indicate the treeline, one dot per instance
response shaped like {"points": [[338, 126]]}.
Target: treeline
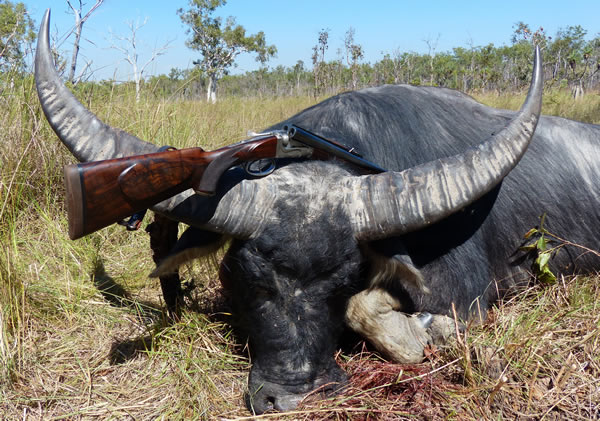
{"points": [[570, 62]]}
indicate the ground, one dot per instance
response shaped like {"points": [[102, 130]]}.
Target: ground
{"points": [[82, 328]]}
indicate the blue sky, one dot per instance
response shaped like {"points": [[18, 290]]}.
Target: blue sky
{"points": [[380, 27]]}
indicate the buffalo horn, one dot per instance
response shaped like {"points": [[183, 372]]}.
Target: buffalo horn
{"points": [[88, 138], [395, 203]]}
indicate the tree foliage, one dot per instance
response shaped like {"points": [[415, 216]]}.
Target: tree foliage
{"points": [[16, 33], [486, 68], [571, 62], [354, 53], [318, 60], [220, 42]]}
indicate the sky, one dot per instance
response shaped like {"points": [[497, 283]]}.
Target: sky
{"points": [[381, 27]]}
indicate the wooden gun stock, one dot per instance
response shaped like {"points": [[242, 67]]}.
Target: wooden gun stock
{"points": [[100, 193]]}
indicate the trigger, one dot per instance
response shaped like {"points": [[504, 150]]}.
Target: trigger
{"points": [[260, 167]]}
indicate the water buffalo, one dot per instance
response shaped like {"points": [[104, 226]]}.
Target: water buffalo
{"points": [[317, 246]]}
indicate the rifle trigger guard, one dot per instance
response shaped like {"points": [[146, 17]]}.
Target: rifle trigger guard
{"points": [[260, 167]]}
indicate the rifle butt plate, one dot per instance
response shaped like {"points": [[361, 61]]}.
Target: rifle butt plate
{"points": [[74, 201]]}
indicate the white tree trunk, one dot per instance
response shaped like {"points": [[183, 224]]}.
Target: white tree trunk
{"points": [[578, 91], [211, 91], [136, 77], [79, 21], [130, 50], [78, 27]]}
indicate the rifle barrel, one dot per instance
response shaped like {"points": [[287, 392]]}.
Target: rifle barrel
{"points": [[332, 148]]}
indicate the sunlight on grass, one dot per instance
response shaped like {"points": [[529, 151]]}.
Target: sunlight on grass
{"points": [[557, 103]]}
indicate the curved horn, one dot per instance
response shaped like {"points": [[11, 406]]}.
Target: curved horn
{"points": [[88, 138], [241, 207], [395, 203]]}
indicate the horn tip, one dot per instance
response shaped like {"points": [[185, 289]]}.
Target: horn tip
{"points": [[46, 18]]}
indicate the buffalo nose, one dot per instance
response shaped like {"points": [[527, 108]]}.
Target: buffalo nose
{"points": [[264, 395], [268, 398]]}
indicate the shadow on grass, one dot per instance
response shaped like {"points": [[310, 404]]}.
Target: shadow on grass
{"points": [[126, 350], [149, 314], [117, 296], [209, 301], [112, 292]]}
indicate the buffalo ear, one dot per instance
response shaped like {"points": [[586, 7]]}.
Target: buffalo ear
{"points": [[399, 268], [194, 243]]}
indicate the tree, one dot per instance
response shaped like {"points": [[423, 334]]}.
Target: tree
{"points": [[220, 42], [298, 71], [79, 21], [318, 60], [16, 29], [354, 53], [129, 47], [432, 46], [571, 53]]}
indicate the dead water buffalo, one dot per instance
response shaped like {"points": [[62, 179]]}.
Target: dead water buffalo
{"points": [[317, 246]]}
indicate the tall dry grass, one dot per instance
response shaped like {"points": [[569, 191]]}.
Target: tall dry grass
{"points": [[556, 102], [82, 332], [82, 335]]}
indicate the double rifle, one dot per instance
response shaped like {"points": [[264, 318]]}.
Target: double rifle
{"points": [[100, 193]]}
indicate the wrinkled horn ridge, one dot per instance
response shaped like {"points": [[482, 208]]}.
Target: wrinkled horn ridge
{"points": [[88, 138], [395, 203], [241, 210]]}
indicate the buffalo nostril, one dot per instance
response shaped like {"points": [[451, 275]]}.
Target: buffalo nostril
{"points": [[258, 405], [264, 399], [269, 404]]}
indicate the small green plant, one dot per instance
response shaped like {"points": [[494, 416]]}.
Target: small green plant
{"points": [[539, 247]]}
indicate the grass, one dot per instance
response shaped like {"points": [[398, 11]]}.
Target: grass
{"points": [[556, 102], [82, 334]]}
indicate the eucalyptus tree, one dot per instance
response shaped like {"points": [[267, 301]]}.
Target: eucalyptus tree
{"points": [[318, 60], [220, 41], [354, 53], [16, 32]]}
